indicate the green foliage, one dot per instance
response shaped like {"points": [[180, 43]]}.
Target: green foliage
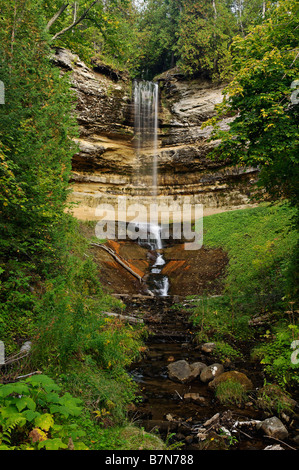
{"points": [[157, 27], [108, 30], [37, 126], [69, 315], [226, 352], [105, 394], [36, 170], [274, 399], [35, 415], [217, 318], [260, 243], [204, 36], [275, 354], [230, 392], [264, 132]]}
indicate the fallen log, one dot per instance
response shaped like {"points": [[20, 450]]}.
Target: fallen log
{"points": [[122, 262], [124, 317], [134, 296]]}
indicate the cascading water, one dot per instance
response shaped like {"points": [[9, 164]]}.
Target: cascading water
{"points": [[150, 236], [146, 101]]}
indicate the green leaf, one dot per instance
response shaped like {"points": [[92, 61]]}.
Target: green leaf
{"points": [[52, 444], [44, 422], [25, 402], [30, 415], [52, 397], [43, 380], [80, 446], [18, 388], [4, 447]]}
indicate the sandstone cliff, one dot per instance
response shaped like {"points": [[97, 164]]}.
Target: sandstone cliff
{"points": [[106, 164]]}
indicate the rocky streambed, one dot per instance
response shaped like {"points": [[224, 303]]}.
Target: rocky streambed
{"points": [[177, 377], [177, 380]]}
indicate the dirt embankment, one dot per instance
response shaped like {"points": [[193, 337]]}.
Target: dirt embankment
{"points": [[189, 272]]}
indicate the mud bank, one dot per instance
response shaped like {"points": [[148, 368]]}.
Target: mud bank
{"points": [[189, 272]]}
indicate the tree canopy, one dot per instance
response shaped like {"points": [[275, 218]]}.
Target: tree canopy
{"points": [[261, 96]]}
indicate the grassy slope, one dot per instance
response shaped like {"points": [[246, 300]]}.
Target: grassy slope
{"points": [[260, 243]]}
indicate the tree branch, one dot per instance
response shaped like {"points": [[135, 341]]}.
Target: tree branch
{"points": [[75, 22], [56, 16]]}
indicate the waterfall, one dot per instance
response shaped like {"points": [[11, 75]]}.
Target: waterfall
{"points": [[150, 236], [146, 101]]}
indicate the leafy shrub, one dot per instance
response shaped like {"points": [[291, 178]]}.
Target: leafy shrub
{"points": [[275, 354], [217, 319], [35, 415], [274, 400], [226, 351]]}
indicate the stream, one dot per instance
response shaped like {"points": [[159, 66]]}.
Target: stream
{"points": [[180, 412]]}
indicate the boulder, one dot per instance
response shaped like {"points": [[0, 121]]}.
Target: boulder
{"points": [[196, 369], [233, 376], [273, 427], [211, 372], [182, 371], [208, 347]]}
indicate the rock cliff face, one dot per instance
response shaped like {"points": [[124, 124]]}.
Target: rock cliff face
{"points": [[106, 165]]}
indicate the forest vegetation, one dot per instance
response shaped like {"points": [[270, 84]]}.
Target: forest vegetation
{"points": [[49, 289]]}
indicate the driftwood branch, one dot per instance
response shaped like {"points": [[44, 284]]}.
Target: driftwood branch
{"points": [[122, 262], [75, 22], [278, 440]]}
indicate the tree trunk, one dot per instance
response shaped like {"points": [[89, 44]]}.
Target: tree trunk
{"points": [[264, 10], [56, 16]]}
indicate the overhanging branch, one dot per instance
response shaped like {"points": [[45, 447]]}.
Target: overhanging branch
{"points": [[56, 16], [84, 14]]}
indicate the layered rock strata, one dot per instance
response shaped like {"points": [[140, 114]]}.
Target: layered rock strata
{"points": [[106, 165]]}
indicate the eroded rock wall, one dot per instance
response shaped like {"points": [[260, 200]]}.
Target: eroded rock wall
{"points": [[107, 166]]}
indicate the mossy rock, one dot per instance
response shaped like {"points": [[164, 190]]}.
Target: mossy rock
{"points": [[272, 398], [232, 376], [134, 438]]}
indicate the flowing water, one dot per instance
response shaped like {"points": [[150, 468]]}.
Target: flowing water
{"points": [[146, 106], [150, 236]]}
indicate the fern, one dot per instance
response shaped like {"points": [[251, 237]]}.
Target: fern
{"points": [[9, 427]]}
